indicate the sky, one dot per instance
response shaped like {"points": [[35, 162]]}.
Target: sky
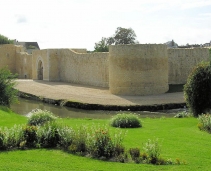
{"points": [[82, 23]]}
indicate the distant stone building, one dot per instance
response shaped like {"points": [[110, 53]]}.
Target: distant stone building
{"points": [[28, 46], [207, 44]]}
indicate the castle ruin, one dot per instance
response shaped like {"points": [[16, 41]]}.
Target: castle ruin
{"points": [[141, 69]]}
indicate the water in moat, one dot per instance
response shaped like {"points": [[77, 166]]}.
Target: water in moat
{"points": [[25, 106]]}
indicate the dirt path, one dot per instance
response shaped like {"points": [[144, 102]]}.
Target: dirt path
{"points": [[92, 95]]}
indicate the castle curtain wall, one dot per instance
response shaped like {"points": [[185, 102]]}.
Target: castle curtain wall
{"points": [[182, 61], [40, 56], [138, 69], [24, 65], [126, 69], [8, 57], [84, 68]]}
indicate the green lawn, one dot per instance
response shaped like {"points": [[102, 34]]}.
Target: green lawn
{"points": [[180, 138]]}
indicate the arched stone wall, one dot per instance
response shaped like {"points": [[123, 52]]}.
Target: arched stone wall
{"points": [[140, 69]]}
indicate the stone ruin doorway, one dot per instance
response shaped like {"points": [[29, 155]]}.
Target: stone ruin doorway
{"points": [[40, 70]]}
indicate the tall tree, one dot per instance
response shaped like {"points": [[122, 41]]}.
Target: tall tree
{"points": [[5, 40], [124, 36], [121, 36]]}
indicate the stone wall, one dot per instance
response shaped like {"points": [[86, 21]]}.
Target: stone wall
{"points": [[138, 69], [8, 57], [84, 68], [40, 56], [181, 62], [24, 65], [126, 69]]}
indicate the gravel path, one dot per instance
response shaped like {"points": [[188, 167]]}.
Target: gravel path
{"points": [[90, 94]]}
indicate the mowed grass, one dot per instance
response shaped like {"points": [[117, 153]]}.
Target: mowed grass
{"points": [[179, 138]]}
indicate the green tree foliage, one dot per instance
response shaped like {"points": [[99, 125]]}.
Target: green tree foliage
{"points": [[5, 40], [101, 46], [197, 90], [121, 36], [8, 94]]}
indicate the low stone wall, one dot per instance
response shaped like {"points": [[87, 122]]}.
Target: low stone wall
{"points": [[182, 61]]}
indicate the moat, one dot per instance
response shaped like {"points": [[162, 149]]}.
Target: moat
{"points": [[25, 106]]}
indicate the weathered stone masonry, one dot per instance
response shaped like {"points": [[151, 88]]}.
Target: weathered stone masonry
{"points": [[142, 69]]}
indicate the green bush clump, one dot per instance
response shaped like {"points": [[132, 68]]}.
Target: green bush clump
{"points": [[135, 154], [125, 121], [79, 142], [48, 135], [205, 122], [101, 144], [30, 135], [183, 114], [5, 40], [40, 117], [197, 90], [8, 94], [152, 149], [11, 137]]}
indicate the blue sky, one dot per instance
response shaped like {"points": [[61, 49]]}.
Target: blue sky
{"points": [[82, 23]]}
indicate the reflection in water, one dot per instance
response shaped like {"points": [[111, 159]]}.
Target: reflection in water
{"points": [[25, 106]]}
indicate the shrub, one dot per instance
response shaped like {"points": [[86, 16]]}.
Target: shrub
{"points": [[135, 154], [102, 144], [79, 140], [8, 94], [205, 122], [66, 135], [30, 135], [48, 135], [125, 121], [152, 149], [197, 90], [40, 117], [183, 114], [2, 138], [11, 137]]}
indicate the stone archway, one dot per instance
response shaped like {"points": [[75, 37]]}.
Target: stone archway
{"points": [[40, 70]]}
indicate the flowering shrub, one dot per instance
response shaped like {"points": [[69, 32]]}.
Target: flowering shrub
{"points": [[125, 121], [102, 144], [40, 117]]}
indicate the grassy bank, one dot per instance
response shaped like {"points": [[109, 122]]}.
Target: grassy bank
{"points": [[179, 138]]}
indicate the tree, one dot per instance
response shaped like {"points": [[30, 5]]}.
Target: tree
{"points": [[5, 40], [197, 90], [124, 36], [101, 46], [121, 36], [8, 94]]}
